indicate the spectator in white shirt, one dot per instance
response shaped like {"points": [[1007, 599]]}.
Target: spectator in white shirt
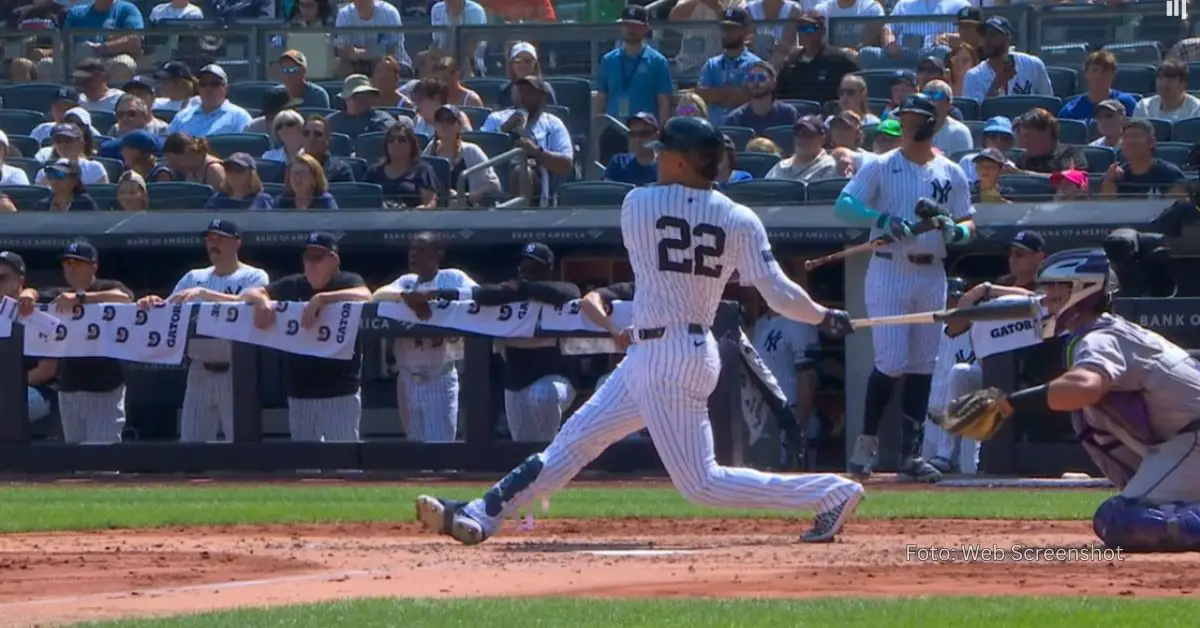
{"points": [[914, 40], [178, 87], [175, 10], [1172, 101], [357, 53], [951, 136], [543, 136], [855, 34], [809, 161], [449, 13], [10, 175], [1004, 73], [91, 79], [1110, 121]]}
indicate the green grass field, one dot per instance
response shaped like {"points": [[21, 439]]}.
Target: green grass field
{"points": [[74, 507]]}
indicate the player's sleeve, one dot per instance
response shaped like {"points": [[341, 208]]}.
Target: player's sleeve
{"points": [[104, 285], [757, 266], [550, 292], [616, 292], [961, 207], [754, 257], [863, 184], [463, 279], [344, 280], [806, 345], [973, 86], [188, 280], [1099, 351], [257, 279], [282, 289]]}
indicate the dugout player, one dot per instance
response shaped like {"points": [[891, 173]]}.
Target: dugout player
{"points": [[324, 395], [91, 391], [955, 374], [39, 372], [208, 401], [538, 378], [906, 276], [427, 375]]}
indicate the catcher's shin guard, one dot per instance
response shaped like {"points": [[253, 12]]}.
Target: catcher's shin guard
{"points": [[1126, 523]]}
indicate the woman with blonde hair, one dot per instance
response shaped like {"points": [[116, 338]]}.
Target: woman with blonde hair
{"points": [[522, 62], [762, 145], [448, 142], [852, 96], [288, 130], [305, 186], [962, 57], [132, 195], [691, 105], [189, 159], [243, 189]]}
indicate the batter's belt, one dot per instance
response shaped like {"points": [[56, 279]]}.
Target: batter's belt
{"points": [[216, 367], [924, 259], [655, 333]]}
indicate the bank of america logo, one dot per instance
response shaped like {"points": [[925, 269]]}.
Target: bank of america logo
{"points": [[1177, 8]]}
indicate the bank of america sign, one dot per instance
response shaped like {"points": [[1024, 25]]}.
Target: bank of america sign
{"points": [[1177, 8]]}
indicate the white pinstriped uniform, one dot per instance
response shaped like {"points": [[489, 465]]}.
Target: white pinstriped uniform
{"points": [[893, 185], [208, 401], [331, 419], [92, 417], [683, 245], [955, 362], [427, 377], [785, 345], [534, 413]]}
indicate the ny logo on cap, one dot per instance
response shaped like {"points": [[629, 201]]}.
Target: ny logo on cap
{"points": [[314, 238], [730, 13], [530, 249], [1020, 237], [215, 224], [73, 248]]}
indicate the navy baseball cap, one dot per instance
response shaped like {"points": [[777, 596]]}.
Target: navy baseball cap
{"points": [[240, 160], [82, 251], [904, 76], [137, 82], [735, 16], [970, 14], [992, 154], [65, 129], [322, 240], [1030, 241], [643, 116], [634, 14], [14, 261], [998, 23], [67, 94], [538, 252], [226, 228], [175, 70]]}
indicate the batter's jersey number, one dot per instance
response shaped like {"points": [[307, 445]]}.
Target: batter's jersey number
{"points": [[700, 262]]}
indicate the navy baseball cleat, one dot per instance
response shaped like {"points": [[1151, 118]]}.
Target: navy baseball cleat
{"points": [[917, 469], [446, 516], [826, 525]]}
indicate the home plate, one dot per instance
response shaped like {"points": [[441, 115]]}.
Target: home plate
{"points": [[638, 552]]}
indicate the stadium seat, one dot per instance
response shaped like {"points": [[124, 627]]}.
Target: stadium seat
{"points": [[806, 107], [1072, 132], [592, 194], [441, 167], [179, 195], [869, 134], [30, 165], [1064, 55], [19, 121], [1028, 188], [166, 115], [784, 137], [1163, 129], [396, 112], [340, 145], [877, 105], [103, 120], [423, 140], [22, 145], [976, 127], [112, 167], [1014, 154], [226, 144], [576, 95], [766, 192], [25, 197], [488, 87], [105, 195], [969, 108], [757, 164], [1136, 52], [879, 82], [269, 170], [1013, 106], [1138, 79], [100, 140], [493, 144], [249, 93], [357, 195], [333, 88], [477, 115], [1064, 80], [741, 135], [1098, 157], [1187, 130], [1177, 153], [315, 111], [274, 188], [825, 191], [358, 167], [29, 96], [958, 157]]}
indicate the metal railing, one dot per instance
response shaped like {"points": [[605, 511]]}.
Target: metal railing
{"points": [[600, 124], [514, 155]]}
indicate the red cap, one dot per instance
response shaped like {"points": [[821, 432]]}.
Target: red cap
{"points": [[1078, 177]]}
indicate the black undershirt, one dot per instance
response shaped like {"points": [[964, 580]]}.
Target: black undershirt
{"points": [[88, 374], [308, 377]]}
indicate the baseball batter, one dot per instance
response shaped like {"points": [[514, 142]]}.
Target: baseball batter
{"points": [[684, 240], [427, 375], [954, 375], [208, 400], [1135, 403], [906, 276]]}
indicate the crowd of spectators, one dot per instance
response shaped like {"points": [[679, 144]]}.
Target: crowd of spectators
{"points": [[404, 130]]}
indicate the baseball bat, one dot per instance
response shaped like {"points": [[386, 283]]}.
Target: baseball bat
{"points": [[925, 226], [1008, 309]]}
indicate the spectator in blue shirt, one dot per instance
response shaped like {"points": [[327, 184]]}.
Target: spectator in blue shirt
{"points": [[639, 166], [723, 78], [214, 115], [1139, 173], [634, 78], [1099, 71], [116, 15], [763, 111], [242, 188]]}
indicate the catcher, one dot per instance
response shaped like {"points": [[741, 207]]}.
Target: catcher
{"points": [[1134, 399]]}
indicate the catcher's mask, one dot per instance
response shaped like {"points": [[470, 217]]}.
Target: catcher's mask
{"points": [[1092, 285]]}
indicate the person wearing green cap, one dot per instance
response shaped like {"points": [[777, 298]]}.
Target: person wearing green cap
{"points": [[887, 137]]}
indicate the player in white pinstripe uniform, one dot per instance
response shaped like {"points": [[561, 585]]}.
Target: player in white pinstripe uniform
{"points": [[684, 240], [427, 378], [208, 401], [906, 276], [955, 369]]}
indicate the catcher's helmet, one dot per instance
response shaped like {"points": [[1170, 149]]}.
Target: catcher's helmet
{"points": [[920, 104], [1093, 285], [955, 287], [696, 137]]}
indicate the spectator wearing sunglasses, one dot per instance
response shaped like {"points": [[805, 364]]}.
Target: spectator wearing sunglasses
{"points": [[288, 135], [361, 115], [638, 166], [70, 142], [293, 73], [68, 193], [813, 71], [134, 115], [316, 145], [215, 114], [407, 181], [951, 136], [763, 111], [242, 188]]}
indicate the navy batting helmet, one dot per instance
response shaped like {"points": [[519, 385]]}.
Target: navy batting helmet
{"points": [[922, 105], [955, 287], [696, 137]]}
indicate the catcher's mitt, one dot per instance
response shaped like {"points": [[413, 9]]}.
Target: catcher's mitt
{"points": [[975, 415]]}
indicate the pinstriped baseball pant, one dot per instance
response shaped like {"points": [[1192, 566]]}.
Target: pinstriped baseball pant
{"points": [[332, 419], [535, 412], [92, 417], [430, 396], [207, 403], [664, 384]]}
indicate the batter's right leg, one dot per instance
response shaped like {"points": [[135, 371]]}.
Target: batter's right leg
{"points": [[606, 418]]}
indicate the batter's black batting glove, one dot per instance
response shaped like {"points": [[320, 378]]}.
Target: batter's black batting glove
{"points": [[836, 323], [926, 208], [896, 228]]}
